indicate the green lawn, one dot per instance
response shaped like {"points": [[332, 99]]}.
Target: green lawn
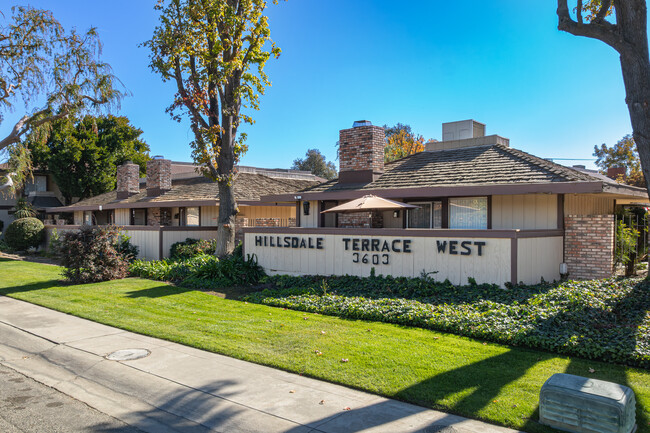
{"points": [[468, 377]]}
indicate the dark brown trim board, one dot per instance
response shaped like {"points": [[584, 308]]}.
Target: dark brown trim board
{"points": [[489, 212], [160, 203], [560, 211], [144, 228], [298, 211], [513, 260], [504, 234], [160, 244]]}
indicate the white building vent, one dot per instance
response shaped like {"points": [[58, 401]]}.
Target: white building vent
{"points": [[462, 130], [583, 405]]}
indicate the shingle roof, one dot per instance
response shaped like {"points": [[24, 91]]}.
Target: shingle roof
{"points": [[248, 187], [470, 166]]}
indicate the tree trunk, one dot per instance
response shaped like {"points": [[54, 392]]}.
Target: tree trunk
{"points": [[636, 75], [225, 169], [226, 223]]}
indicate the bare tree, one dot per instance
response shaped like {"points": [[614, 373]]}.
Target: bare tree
{"points": [[627, 34]]}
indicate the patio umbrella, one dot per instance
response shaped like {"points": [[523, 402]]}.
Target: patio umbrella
{"points": [[368, 203]]}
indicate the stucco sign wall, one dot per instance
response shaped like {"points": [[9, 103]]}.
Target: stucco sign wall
{"points": [[455, 258]]}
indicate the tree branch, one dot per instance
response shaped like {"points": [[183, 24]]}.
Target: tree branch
{"points": [[602, 30], [602, 12], [579, 11], [183, 92], [27, 122]]}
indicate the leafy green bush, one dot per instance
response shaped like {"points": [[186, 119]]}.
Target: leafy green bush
{"points": [[202, 271], [23, 209], [89, 255], [191, 248], [25, 233], [125, 248], [604, 319]]}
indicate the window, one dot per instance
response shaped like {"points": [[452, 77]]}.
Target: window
{"points": [[192, 216], [427, 215], [189, 216], [38, 184], [468, 213], [138, 217]]}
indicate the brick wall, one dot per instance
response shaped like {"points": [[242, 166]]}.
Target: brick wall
{"points": [[159, 176], [362, 148], [240, 223], [589, 246], [267, 222], [128, 180]]}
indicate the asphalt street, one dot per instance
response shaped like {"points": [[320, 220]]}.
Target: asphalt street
{"points": [[29, 406]]}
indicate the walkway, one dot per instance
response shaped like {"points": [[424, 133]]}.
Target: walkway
{"points": [[180, 389]]}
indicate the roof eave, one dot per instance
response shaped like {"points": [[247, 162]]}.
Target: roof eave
{"points": [[446, 191], [625, 190]]}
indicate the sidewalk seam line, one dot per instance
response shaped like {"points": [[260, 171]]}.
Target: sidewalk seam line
{"points": [[155, 375]]}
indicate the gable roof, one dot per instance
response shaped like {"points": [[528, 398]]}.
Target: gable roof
{"points": [[489, 169], [194, 191]]}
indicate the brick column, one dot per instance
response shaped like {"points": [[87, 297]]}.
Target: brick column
{"points": [[240, 223], [589, 246], [355, 220], [128, 180]]}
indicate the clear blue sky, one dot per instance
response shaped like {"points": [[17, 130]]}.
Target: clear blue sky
{"points": [[419, 62]]}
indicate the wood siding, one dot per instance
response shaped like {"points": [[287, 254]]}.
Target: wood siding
{"points": [[146, 241], [524, 211], [209, 216], [122, 217], [587, 204], [312, 219], [170, 237], [254, 212], [78, 217], [539, 258]]}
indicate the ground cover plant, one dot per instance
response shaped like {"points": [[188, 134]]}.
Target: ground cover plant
{"points": [[479, 379], [201, 270], [607, 320]]}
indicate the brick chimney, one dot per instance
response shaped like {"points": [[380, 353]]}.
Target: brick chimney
{"points": [[361, 152], [615, 172], [128, 180], [159, 176]]}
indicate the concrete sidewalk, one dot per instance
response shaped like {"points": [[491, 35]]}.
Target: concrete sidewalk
{"points": [[180, 389]]}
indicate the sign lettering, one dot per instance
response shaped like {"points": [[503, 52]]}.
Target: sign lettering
{"points": [[466, 248], [289, 242]]}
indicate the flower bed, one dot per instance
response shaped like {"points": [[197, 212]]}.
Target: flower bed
{"points": [[607, 320]]}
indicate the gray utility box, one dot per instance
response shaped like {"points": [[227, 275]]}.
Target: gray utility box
{"points": [[580, 404]]}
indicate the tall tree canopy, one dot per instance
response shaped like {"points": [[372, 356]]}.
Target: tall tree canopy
{"points": [[627, 34], [50, 73], [401, 142], [83, 155], [315, 162], [622, 154], [215, 52]]}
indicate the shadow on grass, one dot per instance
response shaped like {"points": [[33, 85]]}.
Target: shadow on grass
{"points": [[33, 286], [158, 291]]}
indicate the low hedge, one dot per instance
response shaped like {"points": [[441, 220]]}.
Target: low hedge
{"points": [[202, 271], [191, 248], [605, 319]]}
